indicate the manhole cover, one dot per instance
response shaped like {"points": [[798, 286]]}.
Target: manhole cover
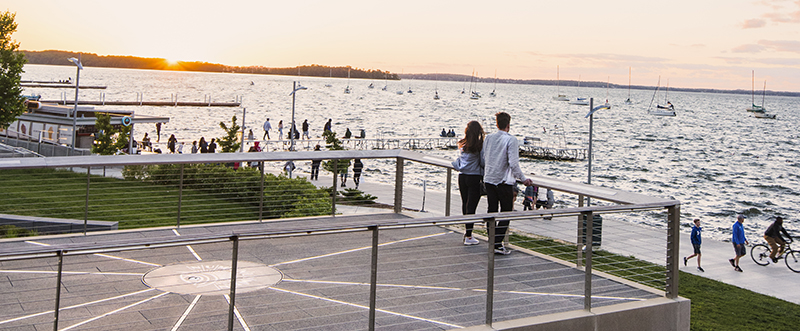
{"points": [[211, 277]]}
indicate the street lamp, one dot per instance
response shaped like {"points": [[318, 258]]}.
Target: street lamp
{"points": [[590, 115], [75, 110], [295, 87]]}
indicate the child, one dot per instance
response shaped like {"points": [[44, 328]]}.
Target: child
{"points": [[530, 197], [696, 241]]}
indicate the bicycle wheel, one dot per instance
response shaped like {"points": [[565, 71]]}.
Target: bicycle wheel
{"points": [[792, 260], [760, 254]]}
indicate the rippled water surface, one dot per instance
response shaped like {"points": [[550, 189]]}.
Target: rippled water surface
{"points": [[714, 157]]}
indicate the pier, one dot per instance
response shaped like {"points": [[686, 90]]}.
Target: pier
{"points": [[61, 85], [549, 153], [146, 103]]}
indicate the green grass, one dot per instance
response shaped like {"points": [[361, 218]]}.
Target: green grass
{"points": [[715, 305]]}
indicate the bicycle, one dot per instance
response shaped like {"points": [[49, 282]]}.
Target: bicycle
{"points": [[760, 254]]}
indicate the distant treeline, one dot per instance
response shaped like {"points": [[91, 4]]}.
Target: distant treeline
{"points": [[466, 78], [113, 61]]}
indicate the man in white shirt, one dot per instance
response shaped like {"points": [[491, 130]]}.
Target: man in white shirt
{"points": [[267, 127], [502, 171]]}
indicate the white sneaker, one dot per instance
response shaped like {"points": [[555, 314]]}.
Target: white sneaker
{"points": [[502, 251], [470, 241]]}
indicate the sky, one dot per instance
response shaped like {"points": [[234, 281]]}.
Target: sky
{"points": [[693, 43]]}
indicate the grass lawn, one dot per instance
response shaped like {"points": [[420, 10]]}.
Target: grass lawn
{"points": [[715, 305]]}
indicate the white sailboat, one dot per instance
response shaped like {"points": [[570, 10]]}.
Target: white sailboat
{"points": [[559, 96], [660, 110], [628, 100], [436, 88], [347, 88], [493, 93], [330, 75], [474, 95], [763, 114], [578, 100], [754, 108]]}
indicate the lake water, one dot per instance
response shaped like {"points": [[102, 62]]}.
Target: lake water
{"points": [[714, 157]]}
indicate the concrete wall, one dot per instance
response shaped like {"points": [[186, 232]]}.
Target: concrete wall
{"points": [[49, 225], [660, 314]]}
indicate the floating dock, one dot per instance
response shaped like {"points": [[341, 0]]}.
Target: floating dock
{"points": [[549, 153], [61, 85]]}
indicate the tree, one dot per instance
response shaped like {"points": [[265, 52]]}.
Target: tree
{"points": [[12, 104], [334, 144], [109, 139], [229, 143]]}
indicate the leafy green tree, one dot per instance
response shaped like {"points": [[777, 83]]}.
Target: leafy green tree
{"points": [[334, 144], [12, 104], [230, 143], [109, 139]]}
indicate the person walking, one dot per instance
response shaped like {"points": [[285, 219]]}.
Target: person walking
{"points": [[696, 242], [194, 147], [250, 135], [305, 130], [531, 193], [501, 154], [315, 165], [267, 127], [739, 242], [327, 126], [774, 239], [171, 143], [470, 166], [158, 132], [212, 147], [280, 130], [357, 168], [203, 145]]}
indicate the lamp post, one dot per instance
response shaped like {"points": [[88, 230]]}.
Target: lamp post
{"points": [[295, 87], [590, 115], [75, 109]]}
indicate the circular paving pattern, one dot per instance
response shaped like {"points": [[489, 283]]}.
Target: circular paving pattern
{"points": [[211, 277]]}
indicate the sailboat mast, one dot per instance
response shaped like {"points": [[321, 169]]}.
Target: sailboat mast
{"points": [[764, 95], [753, 88], [666, 94], [558, 81], [654, 93], [629, 83]]}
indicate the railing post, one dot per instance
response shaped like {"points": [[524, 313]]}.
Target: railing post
{"points": [[398, 186], [580, 200], [490, 226], [447, 192], [234, 260], [373, 280], [60, 254], [261, 195], [587, 281], [86, 204], [180, 198], [673, 252], [333, 188], [581, 233]]}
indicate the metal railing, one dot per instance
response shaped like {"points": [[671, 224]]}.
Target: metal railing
{"points": [[540, 235]]}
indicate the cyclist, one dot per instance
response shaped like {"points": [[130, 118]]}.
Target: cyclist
{"points": [[774, 239]]}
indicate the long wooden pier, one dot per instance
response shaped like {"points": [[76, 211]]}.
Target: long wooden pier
{"points": [[61, 85], [146, 103]]}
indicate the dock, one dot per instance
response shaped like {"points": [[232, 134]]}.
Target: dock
{"points": [[549, 153], [145, 103], [61, 85]]}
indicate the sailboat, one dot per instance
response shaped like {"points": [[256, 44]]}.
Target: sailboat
{"points": [[628, 100], [763, 114], [330, 75], [474, 95], [493, 94], [580, 101], [754, 108], [660, 110], [436, 88], [559, 96], [386, 83], [347, 89]]}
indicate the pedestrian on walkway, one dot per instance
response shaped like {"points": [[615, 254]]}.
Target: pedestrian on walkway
{"points": [[470, 164], [357, 168], [531, 193], [280, 130], [203, 145], [194, 147], [696, 242], [315, 165], [774, 239], [305, 130], [501, 154], [739, 242], [212, 147], [327, 126], [171, 143], [267, 127]]}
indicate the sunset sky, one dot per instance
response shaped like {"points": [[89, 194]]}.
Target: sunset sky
{"points": [[693, 43]]}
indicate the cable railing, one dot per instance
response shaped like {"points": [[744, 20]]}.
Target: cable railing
{"points": [[324, 269]]}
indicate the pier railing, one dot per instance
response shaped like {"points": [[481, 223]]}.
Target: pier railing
{"points": [[418, 281]]}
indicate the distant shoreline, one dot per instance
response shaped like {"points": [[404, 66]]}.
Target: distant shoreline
{"points": [[52, 57]]}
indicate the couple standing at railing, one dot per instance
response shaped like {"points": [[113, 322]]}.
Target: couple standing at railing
{"points": [[490, 162]]}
